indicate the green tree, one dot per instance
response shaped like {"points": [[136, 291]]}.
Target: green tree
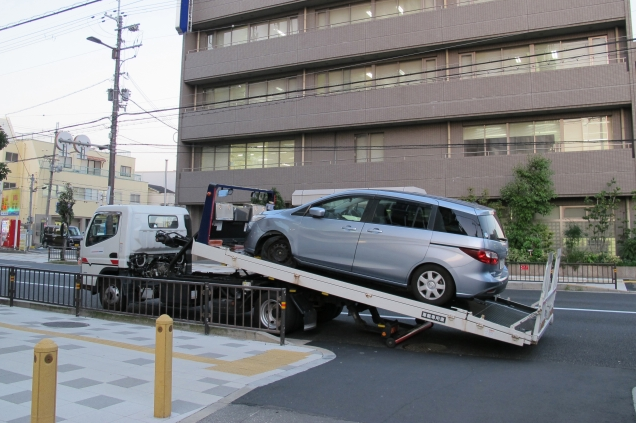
{"points": [[601, 215], [527, 195], [472, 197], [64, 208], [261, 198], [4, 169]]}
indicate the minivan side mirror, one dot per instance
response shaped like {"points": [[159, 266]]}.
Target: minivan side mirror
{"points": [[317, 212]]}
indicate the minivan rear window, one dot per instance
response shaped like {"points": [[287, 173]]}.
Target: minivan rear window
{"points": [[491, 227], [456, 222]]}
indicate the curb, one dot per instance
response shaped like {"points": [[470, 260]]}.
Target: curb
{"points": [[235, 333]]}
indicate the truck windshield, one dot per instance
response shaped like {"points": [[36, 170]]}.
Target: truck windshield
{"points": [[104, 226]]}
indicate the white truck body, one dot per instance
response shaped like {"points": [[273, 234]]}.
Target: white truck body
{"points": [[132, 231]]}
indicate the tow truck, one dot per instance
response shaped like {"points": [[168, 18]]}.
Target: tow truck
{"points": [[313, 298]]}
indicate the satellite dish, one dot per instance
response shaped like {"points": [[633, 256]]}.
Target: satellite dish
{"points": [[62, 138], [81, 143]]}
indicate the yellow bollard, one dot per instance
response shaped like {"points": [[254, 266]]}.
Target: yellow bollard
{"points": [[44, 382], [163, 367]]}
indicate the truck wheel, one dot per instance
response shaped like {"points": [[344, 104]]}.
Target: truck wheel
{"points": [[112, 295], [269, 315], [328, 312], [277, 250], [433, 285]]}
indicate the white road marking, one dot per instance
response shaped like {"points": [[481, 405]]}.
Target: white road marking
{"points": [[634, 397]]}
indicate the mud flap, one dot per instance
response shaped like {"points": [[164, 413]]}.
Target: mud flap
{"points": [[306, 309]]}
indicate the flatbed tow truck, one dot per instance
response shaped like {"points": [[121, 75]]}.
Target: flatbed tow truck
{"points": [[311, 297], [498, 318]]}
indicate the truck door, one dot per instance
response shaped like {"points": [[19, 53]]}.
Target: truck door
{"points": [[102, 239]]}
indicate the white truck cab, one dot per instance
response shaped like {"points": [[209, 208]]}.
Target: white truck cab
{"points": [[119, 234]]}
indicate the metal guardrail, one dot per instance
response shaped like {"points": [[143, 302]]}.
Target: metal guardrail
{"points": [[210, 304], [55, 254], [568, 273]]}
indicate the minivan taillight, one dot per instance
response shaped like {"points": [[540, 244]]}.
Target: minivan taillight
{"points": [[484, 256]]}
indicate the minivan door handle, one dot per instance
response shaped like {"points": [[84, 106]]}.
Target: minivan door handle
{"points": [[349, 228], [375, 231]]}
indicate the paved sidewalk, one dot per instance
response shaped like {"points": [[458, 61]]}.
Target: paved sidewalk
{"points": [[106, 369]]}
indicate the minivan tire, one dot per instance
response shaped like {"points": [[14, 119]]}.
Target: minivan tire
{"points": [[277, 250], [432, 284]]}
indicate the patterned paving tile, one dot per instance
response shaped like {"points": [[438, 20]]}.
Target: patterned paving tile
{"points": [[70, 347], [140, 338], [27, 419], [17, 348], [125, 332], [234, 345], [184, 338], [81, 383], [212, 355], [180, 406], [214, 381], [68, 368], [18, 397], [139, 361], [99, 402], [188, 347], [128, 382], [220, 391]]}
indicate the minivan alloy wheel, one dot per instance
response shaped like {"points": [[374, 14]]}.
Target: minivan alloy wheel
{"points": [[432, 284]]}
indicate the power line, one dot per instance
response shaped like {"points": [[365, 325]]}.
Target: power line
{"points": [[48, 15], [59, 98]]}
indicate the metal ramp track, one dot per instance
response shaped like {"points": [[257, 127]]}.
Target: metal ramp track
{"points": [[499, 324]]}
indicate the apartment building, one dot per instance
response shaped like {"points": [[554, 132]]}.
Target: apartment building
{"points": [[88, 175], [444, 95]]}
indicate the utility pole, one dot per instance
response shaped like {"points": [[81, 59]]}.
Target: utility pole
{"points": [[113, 126], [48, 196], [29, 241]]}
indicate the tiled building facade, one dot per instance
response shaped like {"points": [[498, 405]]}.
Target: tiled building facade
{"points": [[438, 94]]}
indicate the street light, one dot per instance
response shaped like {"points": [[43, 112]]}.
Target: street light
{"points": [[98, 41]]}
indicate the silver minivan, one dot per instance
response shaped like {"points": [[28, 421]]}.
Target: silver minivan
{"points": [[437, 247]]}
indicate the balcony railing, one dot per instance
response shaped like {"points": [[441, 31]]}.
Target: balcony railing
{"points": [[90, 171]]}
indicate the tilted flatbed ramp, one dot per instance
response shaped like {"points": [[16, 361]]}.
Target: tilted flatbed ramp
{"points": [[498, 319]]}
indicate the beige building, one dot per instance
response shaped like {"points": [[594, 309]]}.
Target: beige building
{"points": [[87, 174]]}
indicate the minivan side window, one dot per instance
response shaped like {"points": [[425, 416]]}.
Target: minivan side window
{"points": [[104, 226], [347, 208], [456, 222], [402, 213]]}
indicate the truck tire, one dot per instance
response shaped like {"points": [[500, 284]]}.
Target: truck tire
{"points": [[328, 312], [277, 250], [432, 284], [112, 295], [269, 315]]}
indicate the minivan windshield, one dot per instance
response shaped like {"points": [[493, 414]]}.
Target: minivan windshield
{"points": [[491, 227], [73, 231]]}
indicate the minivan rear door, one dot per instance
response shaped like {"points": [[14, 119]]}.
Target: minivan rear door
{"points": [[394, 241]]}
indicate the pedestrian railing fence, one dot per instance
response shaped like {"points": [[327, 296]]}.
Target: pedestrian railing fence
{"points": [[573, 273], [71, 254], [211, 304]]}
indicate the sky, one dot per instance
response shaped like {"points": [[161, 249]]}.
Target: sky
{"points": [[50, 61]]}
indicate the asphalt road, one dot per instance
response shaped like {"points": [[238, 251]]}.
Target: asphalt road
{"points": [[582, 370]]}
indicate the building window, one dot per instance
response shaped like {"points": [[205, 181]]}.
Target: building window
{"points": [[564, 135], [67, 162], [253, 155], [538, 57], [125, 171], [274, 28], [9, 185], [10, 157], [380, 9], [135, 198], [382, 75], [94, 167], [250, 92], [369, 147]]}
